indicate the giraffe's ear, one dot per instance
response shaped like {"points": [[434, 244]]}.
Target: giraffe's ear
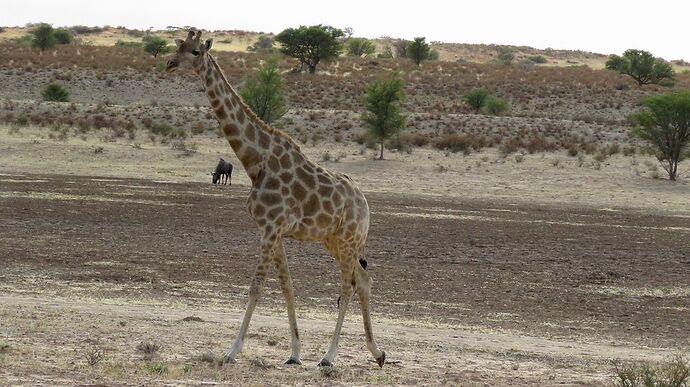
{"points": [[178, 42], [208, 44]]}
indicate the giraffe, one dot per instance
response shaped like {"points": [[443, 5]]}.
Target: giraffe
{"points": [[290, 197]]}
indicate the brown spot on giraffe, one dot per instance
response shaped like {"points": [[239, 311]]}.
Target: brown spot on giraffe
{"points": [[250, 132], [273, 164], [312, 205], [230, 129], [307, 179], [285, 162], [264, 140], [298, 191], [272, 183]]}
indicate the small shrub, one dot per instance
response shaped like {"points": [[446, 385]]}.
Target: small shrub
{"points": [[476, 98], [456, 143], [538, 59], [326, 156], [56, 93], [496, 106], [674, 373], [572, 151], [128, 44], [211, 358], [94, 355], [149, 348], [156, 368]]}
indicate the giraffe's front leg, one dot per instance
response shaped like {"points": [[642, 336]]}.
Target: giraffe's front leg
{"points": [[289, 294], [268, 248]]}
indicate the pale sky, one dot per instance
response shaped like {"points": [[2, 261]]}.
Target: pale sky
{"points": [[604, 26]]}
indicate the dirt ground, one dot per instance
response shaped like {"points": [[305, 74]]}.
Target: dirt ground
{"points": [[467, 291]]}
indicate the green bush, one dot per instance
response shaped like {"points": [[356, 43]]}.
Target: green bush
{"points": [[476, 98], [63, 36], [538, 59], [360, 47], [496, 106], [56, 93]]}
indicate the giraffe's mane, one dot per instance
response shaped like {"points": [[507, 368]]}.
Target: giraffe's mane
{"points": [[248, 111]]}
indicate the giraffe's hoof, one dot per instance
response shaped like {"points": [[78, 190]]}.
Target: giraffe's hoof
{"points": [[227, 359], [292, 360], [325, 363], [382, 359]]}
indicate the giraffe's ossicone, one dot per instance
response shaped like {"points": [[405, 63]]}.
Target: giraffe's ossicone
{"points": [[292, 197]]}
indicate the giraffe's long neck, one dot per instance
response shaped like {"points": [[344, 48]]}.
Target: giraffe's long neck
{"points": [[250, 138]]}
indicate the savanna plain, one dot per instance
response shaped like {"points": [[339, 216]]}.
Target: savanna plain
{"points": [[543, 246]]}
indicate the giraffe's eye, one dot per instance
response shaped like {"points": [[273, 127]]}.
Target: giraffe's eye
{"points": [[195, 52]]}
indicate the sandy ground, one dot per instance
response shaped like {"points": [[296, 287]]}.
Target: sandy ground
{"points": [[488, 271], [617, 182]]}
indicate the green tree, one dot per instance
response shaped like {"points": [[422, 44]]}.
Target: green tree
{"points": [[63, 36], [641, 66], [383, 117], [665, 125], [360, 47], [43, 37], [56, 93], [264, 92], [496, 106], [418, 50], [310, 45], [476, 98], [155, 45]]}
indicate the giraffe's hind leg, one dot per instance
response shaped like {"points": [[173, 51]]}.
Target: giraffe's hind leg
{"points": [[363, 285]]}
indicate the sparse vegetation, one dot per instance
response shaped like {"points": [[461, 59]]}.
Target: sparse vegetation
{"points": [[674, 373], [360, 47]]}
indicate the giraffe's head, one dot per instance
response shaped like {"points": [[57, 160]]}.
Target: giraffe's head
{"points": [[189, 52]]}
